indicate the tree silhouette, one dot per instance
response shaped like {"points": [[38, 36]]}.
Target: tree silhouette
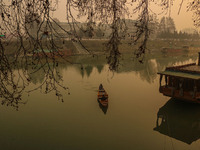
{"points": [[26, 23]]}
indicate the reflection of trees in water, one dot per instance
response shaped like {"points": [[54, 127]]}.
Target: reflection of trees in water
{"points": [[151, 65], [86, 64], [99, 68], [49, 76], [41, 74], [38, 77], [146, 70], [88, 70], [11, 87], [179, 120], [149, 72], [14, 81], [166, 61]]}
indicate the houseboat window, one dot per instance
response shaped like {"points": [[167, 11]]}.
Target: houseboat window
{"points": [[173, 82], [198, 85], [188, 85]]}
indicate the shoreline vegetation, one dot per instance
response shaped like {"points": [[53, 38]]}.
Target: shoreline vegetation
{"points": [[98, 47]]}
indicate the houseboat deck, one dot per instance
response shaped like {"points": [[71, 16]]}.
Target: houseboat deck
{"points": [[183, 95]]}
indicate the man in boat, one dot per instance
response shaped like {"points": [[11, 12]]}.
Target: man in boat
{"points": [[104, 98], [101, 87]]}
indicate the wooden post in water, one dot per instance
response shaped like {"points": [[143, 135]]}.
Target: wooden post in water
{"points": [[160, 88], [199, 60], [173, 88], [166, 80], [161, 79]]}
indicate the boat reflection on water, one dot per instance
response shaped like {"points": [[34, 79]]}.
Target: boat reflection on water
{"points": [[179, 120], [103, 108]]}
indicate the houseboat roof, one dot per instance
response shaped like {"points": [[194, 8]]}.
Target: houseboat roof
{"points": [[181, 74], [189, 71]]}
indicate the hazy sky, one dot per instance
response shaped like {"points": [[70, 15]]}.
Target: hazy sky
{"points": [[183, 20]]}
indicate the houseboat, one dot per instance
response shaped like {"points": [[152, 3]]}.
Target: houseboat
{"points": [[181, 82]]}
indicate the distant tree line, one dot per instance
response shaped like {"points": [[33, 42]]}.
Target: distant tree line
{"points": [[167, 30], [178, 35], [163, 29]]}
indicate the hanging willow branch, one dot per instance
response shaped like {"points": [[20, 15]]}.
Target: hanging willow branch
{"points": [[111, 13], [33, 43], [194, 6], [142, 29]]}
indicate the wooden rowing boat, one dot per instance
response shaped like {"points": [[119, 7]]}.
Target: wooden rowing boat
{"points": [[102, 96]]}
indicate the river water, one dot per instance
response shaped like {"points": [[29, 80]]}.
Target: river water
{"points": [[79, 123]]}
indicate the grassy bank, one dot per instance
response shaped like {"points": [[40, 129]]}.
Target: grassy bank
{"points": [[98, 46]]}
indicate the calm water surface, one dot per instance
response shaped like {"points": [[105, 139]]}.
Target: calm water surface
{"points": [[130, 122]]}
